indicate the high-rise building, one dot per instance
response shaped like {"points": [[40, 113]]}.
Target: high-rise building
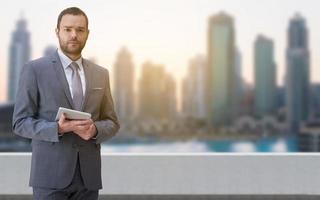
{"points": [[309, 137], [315, 102], [124, 85], [157, 93], [221, 69], [19, 54], [239, 84], [298, 77], [265, 77], [169, 97], [194, 89]]}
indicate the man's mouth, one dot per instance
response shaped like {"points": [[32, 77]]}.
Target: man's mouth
{"points": [[73, 42]]}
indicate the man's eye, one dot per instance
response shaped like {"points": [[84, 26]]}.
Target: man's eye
{"points": [[67, 29], [80, 30]]}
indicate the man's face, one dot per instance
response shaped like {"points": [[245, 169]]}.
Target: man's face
{"points": [[72, 34]]}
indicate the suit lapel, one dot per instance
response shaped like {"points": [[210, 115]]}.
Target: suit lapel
{"points": [[61, 77], [88, 76]]}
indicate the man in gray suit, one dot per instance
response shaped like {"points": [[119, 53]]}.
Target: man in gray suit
{"points": [[66, 160]]}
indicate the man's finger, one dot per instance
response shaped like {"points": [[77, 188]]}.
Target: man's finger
{"points": [[82, 122], [83, 128], [62, 118]]}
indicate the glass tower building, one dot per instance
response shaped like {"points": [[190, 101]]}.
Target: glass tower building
{"points": [[298, 77], [221, 69], [19, 54]]}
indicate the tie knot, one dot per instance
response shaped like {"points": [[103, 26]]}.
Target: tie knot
{"points": [[74, 66]]}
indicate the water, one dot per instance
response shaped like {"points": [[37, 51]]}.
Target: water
{"points": [[152, 145], [275, 144]]}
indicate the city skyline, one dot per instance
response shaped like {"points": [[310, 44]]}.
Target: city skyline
{"points": [[148, 42]]}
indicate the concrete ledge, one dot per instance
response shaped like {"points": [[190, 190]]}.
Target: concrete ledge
{"points": [[183, 197], [187, 174]]}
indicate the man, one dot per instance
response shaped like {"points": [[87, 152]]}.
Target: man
{"points": [[66, 161]]}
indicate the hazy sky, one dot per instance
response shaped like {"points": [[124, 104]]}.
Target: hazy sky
{"points": [[168, 32]]}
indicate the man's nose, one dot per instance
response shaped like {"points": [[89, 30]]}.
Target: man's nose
{"points": [[74, 34]]}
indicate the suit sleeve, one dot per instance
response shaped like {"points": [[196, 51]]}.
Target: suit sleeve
{"points": [[108, 124], [25, 116]]}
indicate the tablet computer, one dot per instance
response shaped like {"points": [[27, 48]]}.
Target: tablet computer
{"points": [[72, 114]]}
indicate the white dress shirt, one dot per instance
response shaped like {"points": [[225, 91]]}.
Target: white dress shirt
{"points": [[66, 61]]}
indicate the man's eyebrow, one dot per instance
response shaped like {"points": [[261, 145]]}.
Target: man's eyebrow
{"points": [[80, 27]]}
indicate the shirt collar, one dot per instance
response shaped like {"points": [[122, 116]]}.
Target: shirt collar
{"points": [[66, 61]]}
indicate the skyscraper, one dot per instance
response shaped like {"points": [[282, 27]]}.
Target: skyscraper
{"points": [[221, 69], [265, 77], [169, 97], [124, 84], [19, 54], [157, 93], [194, 89], [239, 84], [298, 80]]}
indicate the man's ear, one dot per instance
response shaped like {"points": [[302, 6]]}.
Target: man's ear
{"points": [[88, 33], [57, 32]]}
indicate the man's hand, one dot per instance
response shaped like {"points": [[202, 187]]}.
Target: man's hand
{"points": [[83, 128], [87, 130]]}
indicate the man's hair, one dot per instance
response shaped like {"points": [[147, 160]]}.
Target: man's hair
{"points": [[72, 11]]}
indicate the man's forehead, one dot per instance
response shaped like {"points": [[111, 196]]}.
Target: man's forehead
{"points": [[73, 20]]}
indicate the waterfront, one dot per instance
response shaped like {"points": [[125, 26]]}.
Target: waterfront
{"points": [[152, 145], [274, 144]]}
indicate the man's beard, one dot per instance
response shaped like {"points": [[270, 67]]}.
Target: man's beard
{"points": [[65, 48]]}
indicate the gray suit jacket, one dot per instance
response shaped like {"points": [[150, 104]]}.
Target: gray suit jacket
{"points": [[43, 88]]}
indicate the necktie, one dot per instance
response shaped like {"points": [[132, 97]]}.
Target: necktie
{"points": [[76, 86]]}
